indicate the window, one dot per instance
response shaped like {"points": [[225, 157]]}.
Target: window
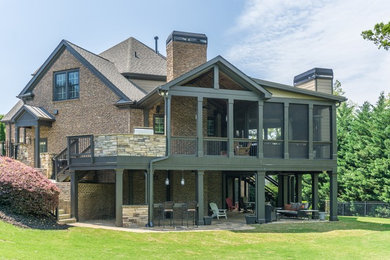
{"points": [[298, 134], [322, 132], [43, 145], [210, 127], [66, 85], [158, 124]]}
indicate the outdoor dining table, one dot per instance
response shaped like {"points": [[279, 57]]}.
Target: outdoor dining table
{"points": [[179, 210]]}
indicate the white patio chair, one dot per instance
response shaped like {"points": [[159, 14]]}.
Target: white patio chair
{"points": [[217, 212]]}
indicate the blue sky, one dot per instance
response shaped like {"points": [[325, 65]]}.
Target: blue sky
{"points": [[268, 39]]}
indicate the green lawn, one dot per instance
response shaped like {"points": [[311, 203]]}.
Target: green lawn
{"points": [[350, 238]]}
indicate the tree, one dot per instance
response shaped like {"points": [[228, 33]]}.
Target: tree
{"points": [[2, 130], [380, 35]]}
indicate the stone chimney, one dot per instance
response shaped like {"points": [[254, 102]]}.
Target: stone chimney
{"points": [[317, 79], [185, 51]]}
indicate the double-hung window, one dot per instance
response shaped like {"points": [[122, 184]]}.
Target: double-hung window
{"points": [[66, 85], [158, 124]]}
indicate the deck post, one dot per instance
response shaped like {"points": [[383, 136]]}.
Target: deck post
{"points": [[314, 191], [311, 154], [118, 197], [333, 196], [260, 152], [37, 156], [168, 124], [199, 196], [223, 205], [231, 127], [285, 190], [199, 126], [285, 126], [280, 190], [260, 197], [298, 179], [150, 195], [74, 194]]}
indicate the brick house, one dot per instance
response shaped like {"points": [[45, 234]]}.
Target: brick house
{"points": [[129, 128]]}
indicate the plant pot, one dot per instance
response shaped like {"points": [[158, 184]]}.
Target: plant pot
{"points": [[207, 220], [250, 219]]}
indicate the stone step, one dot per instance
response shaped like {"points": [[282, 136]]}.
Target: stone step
{"points": [[63, 216], [67, 221], [61, 211]]}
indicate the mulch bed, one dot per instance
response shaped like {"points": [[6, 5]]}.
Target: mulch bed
{"points": [[30, 221]]}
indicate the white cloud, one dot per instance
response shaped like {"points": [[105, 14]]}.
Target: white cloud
{"points": [[283, 38]]}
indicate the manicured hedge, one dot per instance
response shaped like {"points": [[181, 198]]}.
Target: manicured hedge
{"points": [[25, 189]]}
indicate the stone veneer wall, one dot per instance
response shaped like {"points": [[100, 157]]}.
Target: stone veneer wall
{"points": [[96, 201], [130, 145], [47, 163], [134, 215]]}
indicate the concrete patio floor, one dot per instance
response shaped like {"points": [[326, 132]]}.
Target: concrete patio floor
{"points": [[235, 221]]}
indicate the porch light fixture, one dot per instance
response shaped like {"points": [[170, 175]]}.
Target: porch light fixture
{"points": [[182, 182], [167, 181], [163, 92]]}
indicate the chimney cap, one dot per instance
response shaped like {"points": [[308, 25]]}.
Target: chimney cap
{"points": [[177, 36], [315, 73]]}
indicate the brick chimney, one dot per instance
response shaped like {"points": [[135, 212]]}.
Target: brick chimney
{"points": [[185, 51], [317, 79]]}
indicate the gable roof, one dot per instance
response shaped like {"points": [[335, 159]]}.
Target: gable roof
{"points": [[38, 112], [12, 112], [101, 67], [132, 56], [224, 66], [275, 85]]}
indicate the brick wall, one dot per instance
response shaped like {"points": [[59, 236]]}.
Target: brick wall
{"points": [[64, 198], [93, 113], [183, 56]]}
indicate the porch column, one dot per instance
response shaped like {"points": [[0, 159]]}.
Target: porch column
{"points": [[9, 140], [333, 196], [16, 142], [260, 153], [223, 205], [199, 196], [168, 124], [285, 190], [260, 197], [298, 179], [334, 133], [280, 190], [286, 152], [314, 190], [37, 158], [199, 126], [231, 127], [74, 195], [150, 195], [311, 154], [118, 197]]}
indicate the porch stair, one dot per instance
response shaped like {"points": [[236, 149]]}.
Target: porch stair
{"points": [[65, 218], [269, 193]]}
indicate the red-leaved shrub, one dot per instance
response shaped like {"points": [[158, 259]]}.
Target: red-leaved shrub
{"points": [[25, 189]]}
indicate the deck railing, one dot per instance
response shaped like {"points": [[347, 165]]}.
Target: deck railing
{"points": [[215, 146], [80, 147], [183, 145]]}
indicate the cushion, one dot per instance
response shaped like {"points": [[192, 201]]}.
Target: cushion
{"points": [[288, 207]]}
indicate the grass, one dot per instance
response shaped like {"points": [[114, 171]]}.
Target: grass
{"points": [[349, 238]]}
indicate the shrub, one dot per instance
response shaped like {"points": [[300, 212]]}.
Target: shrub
{"points": [[25, 189]]}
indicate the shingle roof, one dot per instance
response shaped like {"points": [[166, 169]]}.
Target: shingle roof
{"points": [[147, 85], [13, 111], [132, 56], [109, 70]]}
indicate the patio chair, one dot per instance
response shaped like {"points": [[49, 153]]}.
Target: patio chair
{"points": [[242, 150], [191, 210], [168, 208], [229, 203], [217, 212]]}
